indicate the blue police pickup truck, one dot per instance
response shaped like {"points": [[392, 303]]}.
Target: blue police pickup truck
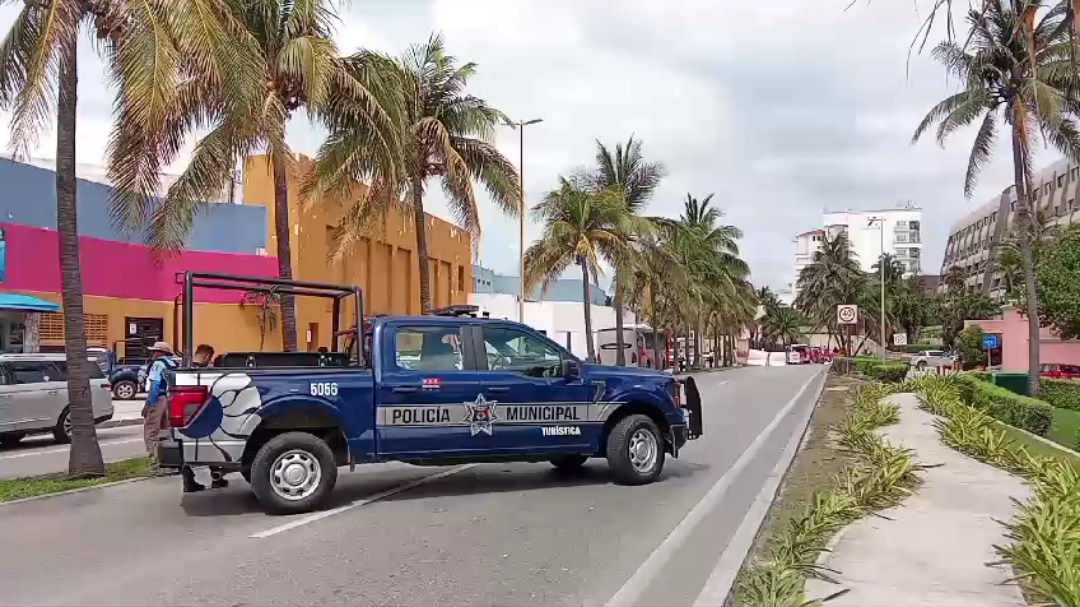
{"points": [[428, 390]]}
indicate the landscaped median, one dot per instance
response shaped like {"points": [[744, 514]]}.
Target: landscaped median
{"points": [[1054, 415], [940, 546], [34, 486], [845, 472]]}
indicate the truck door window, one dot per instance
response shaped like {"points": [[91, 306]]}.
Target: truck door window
{"points": [[428, 348], [515, 350]]}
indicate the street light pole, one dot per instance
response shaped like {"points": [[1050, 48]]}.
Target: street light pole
{"points": [[520, 126], [881, 268]]}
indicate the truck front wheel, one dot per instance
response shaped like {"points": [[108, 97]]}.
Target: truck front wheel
{"points": [[635, 450], [293, 472]]}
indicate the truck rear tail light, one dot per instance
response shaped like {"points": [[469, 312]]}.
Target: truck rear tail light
{"points": [[675, 389], [106, 386], [184, 402]]}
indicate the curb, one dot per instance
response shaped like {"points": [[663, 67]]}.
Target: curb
{"points": [[117, 423], [73, 491], [1041, 439], [717, 589]]}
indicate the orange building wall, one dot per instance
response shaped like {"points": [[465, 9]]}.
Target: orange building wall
{"points": [[222, 325], [385, 266]]}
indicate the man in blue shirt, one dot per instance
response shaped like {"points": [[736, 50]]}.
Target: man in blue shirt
{"points": [[155, 411]]}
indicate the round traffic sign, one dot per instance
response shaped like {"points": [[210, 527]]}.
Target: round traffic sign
{"points": [[847, 314]]}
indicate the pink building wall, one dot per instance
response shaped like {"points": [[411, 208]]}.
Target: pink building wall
{"points": [[1012, 328], [112, 268]]}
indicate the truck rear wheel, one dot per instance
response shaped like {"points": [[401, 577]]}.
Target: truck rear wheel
{"points": [[635, 450], [293, 472]]}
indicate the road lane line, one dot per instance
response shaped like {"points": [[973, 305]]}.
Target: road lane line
{"points": [[65, 449], [632, 590], [318, 516], [718, 586]]}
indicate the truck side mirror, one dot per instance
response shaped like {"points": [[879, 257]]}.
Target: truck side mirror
{"points": [[570, 369]]}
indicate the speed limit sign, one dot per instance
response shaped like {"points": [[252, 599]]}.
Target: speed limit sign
{"points": [[847, 315]]}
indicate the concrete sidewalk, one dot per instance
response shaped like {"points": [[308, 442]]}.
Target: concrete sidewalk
{"points": [[125, 413], [935, 548]]}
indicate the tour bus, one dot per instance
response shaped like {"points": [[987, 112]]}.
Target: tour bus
{"points": [[637, 345]]}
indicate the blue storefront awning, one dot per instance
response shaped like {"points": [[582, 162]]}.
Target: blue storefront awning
{"points": [[26, 303]]}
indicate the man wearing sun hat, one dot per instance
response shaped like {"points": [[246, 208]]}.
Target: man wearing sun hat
{"points": [[155, 412]]}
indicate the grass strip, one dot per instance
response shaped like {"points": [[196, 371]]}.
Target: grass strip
{"points": [[33, 486], [877, 475]]}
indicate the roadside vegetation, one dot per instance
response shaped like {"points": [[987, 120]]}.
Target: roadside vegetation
{"points": [[1044, 547], [874, 475], [33, 486]]}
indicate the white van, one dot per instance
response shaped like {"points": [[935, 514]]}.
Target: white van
{"points": [[637, 345]]}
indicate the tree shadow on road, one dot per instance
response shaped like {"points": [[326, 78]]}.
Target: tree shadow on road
{"points": [[238, 499]]}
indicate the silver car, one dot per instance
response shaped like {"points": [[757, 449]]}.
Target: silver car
{"points": [[34, 396]]}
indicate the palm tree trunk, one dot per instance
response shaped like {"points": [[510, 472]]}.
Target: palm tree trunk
{"points": [[686, 348], [620, 354], [699, 340], [421, 246], [716, 350], [1026, 259], [657, 362], [590, 348], [84, 459], [284, 250]]}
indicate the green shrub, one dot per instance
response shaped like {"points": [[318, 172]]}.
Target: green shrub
{"points": [[892, 373], [1015, 410], [983, 376], [1061, 393]]}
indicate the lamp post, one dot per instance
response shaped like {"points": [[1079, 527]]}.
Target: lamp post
{"points": [[881, 267], [520, 126]]}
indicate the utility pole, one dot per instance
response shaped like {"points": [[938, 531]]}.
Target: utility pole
{"points": [[520, 126]]}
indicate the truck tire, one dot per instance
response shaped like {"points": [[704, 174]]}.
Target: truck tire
{"points": [[569, 462], [293, 472], [635, 450], [124, 389]]}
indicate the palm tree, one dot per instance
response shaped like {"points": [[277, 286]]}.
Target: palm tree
{"points": [[709, 255], [783, 326], [299, 68], [654, 276], [833, 278], [149, 50], [627, 171], [1015, 67], [955, 279], [443, 133], [894, 270], [581, 227]]}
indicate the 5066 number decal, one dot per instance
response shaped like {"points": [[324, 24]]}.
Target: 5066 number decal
{"points": [[325, 388]]}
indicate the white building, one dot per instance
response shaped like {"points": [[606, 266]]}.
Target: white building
{"points": [[562, 321], [897, 232]]}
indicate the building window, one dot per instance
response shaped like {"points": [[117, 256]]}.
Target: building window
{"points": [[901, 225], [1076, 173], [1012, 207], [461, 278], [902, 237], [52, 328], [1061, 180]]}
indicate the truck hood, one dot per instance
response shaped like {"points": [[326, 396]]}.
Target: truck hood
{"points": [[628, 373]]}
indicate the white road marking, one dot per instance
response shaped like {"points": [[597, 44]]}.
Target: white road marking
{"points": [[65, 449], [633, 588], [318, 516], [716, 589]]}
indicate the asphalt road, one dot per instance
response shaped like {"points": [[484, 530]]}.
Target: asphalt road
{"points": [[42, 455], [506, 534]]}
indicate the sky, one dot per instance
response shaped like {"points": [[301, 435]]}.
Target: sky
{"points": [[781, 108]]}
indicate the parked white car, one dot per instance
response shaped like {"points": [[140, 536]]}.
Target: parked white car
{"points": [[34, 396], [931, 358]]}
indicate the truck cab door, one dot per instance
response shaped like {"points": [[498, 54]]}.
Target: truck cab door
{"points": [[426, 378], [538, 409]]}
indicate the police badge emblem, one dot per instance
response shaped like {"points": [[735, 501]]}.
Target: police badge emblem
{"points": [[480, 414]]}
